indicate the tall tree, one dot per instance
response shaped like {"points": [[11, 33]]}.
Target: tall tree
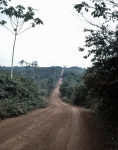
{"points": [[101, 41], [35, 65], [27, 69], [21, 63], [101, 80], [18, 17]]}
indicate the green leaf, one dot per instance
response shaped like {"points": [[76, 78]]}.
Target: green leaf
{"points": [[2, 22], [85, 57], [38, 21]]}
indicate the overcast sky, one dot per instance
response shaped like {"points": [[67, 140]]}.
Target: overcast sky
{"points": [[54, 43]]}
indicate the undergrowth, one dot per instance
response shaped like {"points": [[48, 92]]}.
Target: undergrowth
{"points": [[19, 96]]}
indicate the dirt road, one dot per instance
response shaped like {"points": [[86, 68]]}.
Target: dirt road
{"points": [[57, 127]]}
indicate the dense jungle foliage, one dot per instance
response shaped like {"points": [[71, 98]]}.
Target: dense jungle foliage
{"points": [[72, 79], [100, 82], [26, 93]]}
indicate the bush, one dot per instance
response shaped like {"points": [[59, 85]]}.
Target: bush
{"points": [[19, 96]]}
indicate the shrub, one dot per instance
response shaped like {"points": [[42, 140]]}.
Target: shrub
{"points": [[18, 97]]}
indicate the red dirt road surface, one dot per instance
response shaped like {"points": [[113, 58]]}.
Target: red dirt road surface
{"points": [[57, 127]]}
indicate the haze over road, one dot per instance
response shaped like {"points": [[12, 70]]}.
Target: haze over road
{"points": [[57, 127]]}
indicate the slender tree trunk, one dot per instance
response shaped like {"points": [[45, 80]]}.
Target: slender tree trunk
{"points": [[13, 57], [22, 69], [34, 73]]}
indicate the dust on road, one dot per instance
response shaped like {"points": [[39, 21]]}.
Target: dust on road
{"points": [[57, 127]]}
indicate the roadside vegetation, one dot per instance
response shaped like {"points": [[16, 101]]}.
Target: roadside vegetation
{"points": [[29, 86], [95, 88], [72, 79], [25, 93], [99, 89]]}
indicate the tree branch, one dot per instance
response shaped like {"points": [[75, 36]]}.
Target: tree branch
{"points": [[21, 27], [12, 23], [20, 22], [91, 22], [25, 29], [8, 29]]}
